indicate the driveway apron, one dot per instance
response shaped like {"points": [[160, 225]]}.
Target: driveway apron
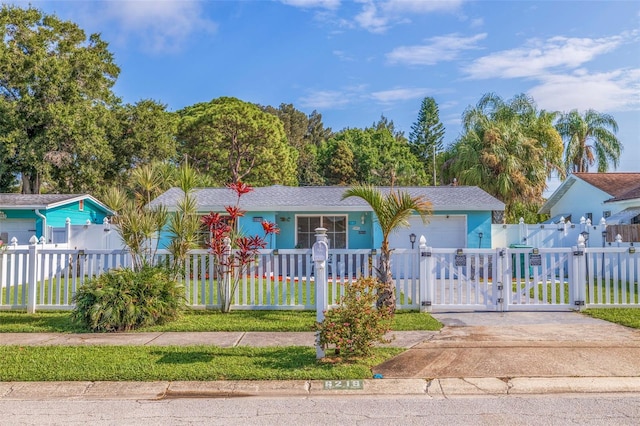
{"points": [[520, 344]]}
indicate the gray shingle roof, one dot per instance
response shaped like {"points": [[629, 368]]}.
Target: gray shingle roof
{"points": [[41, 201], [314, 198]]}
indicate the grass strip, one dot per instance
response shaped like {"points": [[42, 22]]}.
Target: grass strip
{"points": [[200, 363], [58, 322], [629, 317]]}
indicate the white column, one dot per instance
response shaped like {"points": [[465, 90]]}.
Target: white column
{"points": [[320, 254], [32, 274]]}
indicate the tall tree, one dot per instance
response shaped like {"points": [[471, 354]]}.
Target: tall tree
{"points": [[55, 94], [426, 136], [145, 133], [235, 141], [297, 128], [379, 158], [392, 210], [507, 149], [339, 169], [589, 138]]}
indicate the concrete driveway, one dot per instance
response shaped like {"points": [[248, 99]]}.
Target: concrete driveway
{"points": [[520, 344]]}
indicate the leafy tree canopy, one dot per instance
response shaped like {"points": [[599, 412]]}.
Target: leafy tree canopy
{"points": [[55, 94], [508, 149], [590, 138], [380, 158], [232, 141]]}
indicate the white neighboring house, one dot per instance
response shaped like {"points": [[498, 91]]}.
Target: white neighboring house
{"points": [[612, 196]]}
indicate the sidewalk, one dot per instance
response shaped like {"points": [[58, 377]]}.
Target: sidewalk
{"points": [[402, 339], [474, 354]]}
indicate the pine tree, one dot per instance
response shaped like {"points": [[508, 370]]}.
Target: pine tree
{"points": [[426, 136]]}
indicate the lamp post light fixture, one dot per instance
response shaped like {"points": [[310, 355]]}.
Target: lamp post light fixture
{"points": [[412, 238]]}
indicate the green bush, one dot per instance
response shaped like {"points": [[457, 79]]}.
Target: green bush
{"points": [[123, 300], [353, 327]]}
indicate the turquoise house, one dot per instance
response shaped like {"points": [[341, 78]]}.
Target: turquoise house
{"points": [[461, 216], [25, 215]]}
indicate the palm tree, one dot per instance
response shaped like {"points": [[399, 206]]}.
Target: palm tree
{"points": [[508, 149], [392, 211], [589, 138]]}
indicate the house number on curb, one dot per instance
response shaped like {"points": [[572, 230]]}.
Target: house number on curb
{"points": [[342, 384]]}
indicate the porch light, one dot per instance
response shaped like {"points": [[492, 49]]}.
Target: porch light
{"points": [[412, 239]]}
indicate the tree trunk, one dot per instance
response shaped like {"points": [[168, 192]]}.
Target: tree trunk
{"points": [[387, 296], [30, 183]]}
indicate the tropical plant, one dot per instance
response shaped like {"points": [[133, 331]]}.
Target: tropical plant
{"points": [[233, 252], [392, 210], [139, 225], [509, 149], [123, 299], [589, 138], [355, 325], [184, 224]]}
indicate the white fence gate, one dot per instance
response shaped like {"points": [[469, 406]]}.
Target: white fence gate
{"points": [[430, 279]]}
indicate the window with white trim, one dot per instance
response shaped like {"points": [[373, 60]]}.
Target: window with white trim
{"points": [[336, 226]]}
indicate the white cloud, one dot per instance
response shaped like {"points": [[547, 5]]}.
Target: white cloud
{"points": [[421, 6], [436, 49], [318, 99], [605, 92], [370, 20], [162, 25], [313, 4], [400, 94], [342, 55], [537, 57], [476, 23], [377, 17]]}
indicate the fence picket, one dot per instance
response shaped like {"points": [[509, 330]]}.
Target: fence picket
{"points": [[285, 280]]}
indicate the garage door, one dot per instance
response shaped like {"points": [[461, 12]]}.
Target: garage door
{"points": [[22, 229], [441, 231]]}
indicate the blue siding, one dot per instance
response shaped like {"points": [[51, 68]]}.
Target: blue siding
{"points": [[359, 235], [56, 217]]}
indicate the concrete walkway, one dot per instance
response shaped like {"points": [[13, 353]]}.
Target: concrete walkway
{"points": [[475, 353]]}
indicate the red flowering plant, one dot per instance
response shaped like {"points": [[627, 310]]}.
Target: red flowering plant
{"points": [[233, 252]]}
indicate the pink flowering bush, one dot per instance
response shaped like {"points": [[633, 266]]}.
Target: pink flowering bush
{"points": [[232, 251], [356, 324]]}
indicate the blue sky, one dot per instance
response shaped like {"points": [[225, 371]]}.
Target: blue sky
{"points": [[354, 61]]}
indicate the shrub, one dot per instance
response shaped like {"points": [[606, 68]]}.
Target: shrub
{"points": [[356, 324], [123, 300]]}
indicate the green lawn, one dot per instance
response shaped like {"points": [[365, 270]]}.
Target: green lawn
{"points": [[58, 322], [148, 363], [629, 317]]}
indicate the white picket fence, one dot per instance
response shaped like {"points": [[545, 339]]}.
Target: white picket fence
{"points": [[39, 278]]}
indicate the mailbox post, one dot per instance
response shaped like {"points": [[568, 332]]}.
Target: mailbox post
{"points": [[319, 255]]}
